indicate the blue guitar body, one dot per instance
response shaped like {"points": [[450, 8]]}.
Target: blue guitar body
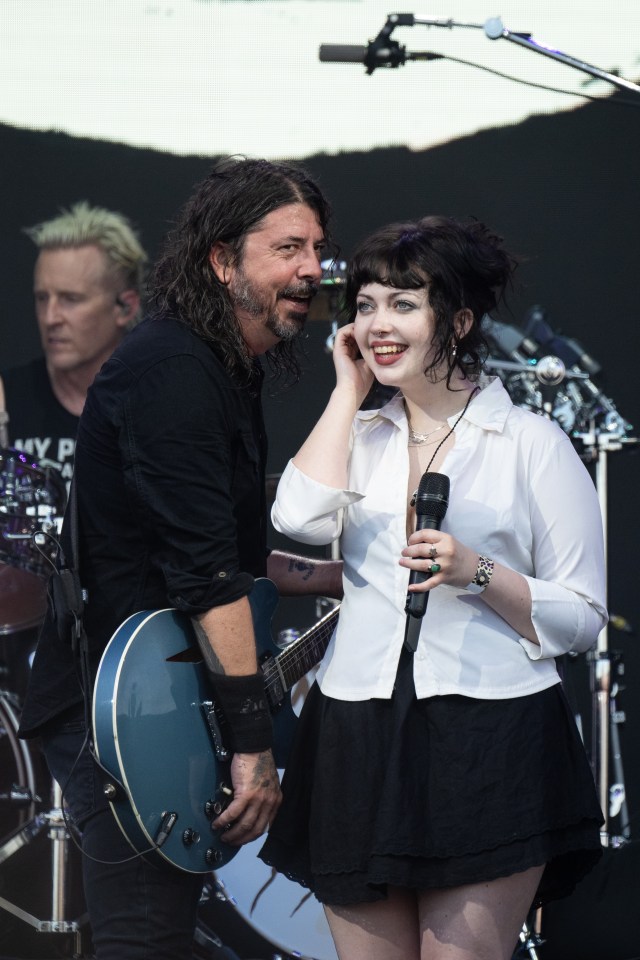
{"points": [[160, 737]]}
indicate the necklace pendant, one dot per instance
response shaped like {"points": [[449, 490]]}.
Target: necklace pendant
{"points": [[416, 439]]}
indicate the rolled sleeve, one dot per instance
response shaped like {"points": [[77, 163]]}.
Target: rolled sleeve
{"points": [[568, 603], [307, 510], [180, 469]]}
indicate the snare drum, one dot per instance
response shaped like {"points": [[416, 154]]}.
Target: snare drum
{"points": [[32, 500]]}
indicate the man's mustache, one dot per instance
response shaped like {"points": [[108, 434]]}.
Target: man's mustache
{"points": [[302, 291]]}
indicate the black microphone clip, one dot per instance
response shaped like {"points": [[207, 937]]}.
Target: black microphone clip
{"points": [[385, 52]]}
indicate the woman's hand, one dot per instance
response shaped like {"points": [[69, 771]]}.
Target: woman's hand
{"points": [[508, 594], [455, 564], [351, 369]]}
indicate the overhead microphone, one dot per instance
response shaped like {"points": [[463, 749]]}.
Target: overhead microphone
{"points": [[432, 500], [342, 53], [382, 51], [391, 54]]}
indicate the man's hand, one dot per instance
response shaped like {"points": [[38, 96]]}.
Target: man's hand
{"points": [[256, 798]]}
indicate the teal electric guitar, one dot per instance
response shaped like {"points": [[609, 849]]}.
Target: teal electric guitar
{"points": [[160, 738]]}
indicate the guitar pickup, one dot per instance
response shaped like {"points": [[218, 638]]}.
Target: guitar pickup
{"points": [[213, 723]]}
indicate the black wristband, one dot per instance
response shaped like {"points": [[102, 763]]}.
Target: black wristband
{"points": [[243, 703]]}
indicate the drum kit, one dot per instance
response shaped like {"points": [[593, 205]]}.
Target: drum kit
{"points": [[32, 828], [246, 903]]}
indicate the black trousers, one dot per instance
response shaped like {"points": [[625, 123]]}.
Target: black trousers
{"points": [[136, 909]]}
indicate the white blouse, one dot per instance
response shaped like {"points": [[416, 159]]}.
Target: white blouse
{"points": [[519, 495]]}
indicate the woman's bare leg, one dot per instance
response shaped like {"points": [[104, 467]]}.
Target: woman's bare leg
{"points": [[475, 922], [384, 930]]}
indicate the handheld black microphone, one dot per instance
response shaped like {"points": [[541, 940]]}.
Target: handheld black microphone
{"points": [[432, 500]]}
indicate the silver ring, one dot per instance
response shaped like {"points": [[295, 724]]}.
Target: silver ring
{"points": [[433, 553]]}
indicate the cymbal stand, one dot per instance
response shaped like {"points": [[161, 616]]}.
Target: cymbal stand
{"points": [[605, 717], [529, 939], [618, 806], [57, 832], [604, 431]]}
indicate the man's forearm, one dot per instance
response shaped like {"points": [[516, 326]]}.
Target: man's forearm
{"points": [[300, 576]]}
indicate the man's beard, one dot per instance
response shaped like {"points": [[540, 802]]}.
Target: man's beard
{"points": [[247, 296]]}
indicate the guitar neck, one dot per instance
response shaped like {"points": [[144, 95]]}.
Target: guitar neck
{"points": [[304, 653]]}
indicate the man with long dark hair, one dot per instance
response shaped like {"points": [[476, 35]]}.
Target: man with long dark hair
{"points": [[171, 507]]}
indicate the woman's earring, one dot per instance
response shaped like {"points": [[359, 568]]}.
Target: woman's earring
{"points": [[454, 351]]}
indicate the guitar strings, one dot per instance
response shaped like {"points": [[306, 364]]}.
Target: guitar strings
{"points": [[295, 656]]}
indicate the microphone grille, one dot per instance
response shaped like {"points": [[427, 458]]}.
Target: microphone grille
{"points": [[433, 495]]}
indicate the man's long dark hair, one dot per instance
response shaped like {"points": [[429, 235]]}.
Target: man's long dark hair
{"points": [[226, 206]]}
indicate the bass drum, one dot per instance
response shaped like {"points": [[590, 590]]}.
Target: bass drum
{"points": [[17, 776], [252, 908]]}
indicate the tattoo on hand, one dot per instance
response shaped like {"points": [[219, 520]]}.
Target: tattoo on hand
{"points": [[264, 773]]}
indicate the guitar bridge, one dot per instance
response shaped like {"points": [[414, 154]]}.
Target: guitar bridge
{"points": [[213, 723]]}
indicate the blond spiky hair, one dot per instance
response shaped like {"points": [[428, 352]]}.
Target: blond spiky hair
{"points": [[112, 232]]}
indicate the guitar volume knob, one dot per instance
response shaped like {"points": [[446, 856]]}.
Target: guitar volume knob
{"points": [[212, 808], [212, 856], [190, 836]]}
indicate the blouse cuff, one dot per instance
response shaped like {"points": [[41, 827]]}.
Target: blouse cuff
{"points": [[308, 510], [564, 621]]}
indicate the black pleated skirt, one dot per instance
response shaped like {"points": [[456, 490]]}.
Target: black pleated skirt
{"points": [[434, 793]]}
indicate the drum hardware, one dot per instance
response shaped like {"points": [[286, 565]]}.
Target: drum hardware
{"points": [[53, 821], [560, 388], [21, 824], [19, 796], [209, 945], [551, 375], [529, 939], [600, 441], [592, 420], [326, 304], [32, 502]]}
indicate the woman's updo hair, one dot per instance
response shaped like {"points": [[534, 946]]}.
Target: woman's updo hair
{"points": [[462, 264]]}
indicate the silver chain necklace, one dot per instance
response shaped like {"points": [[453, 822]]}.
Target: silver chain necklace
{"points": [[446, 437], [417, 439]]}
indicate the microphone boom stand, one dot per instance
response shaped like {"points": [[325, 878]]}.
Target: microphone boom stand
{"points": [[385, 52]]}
